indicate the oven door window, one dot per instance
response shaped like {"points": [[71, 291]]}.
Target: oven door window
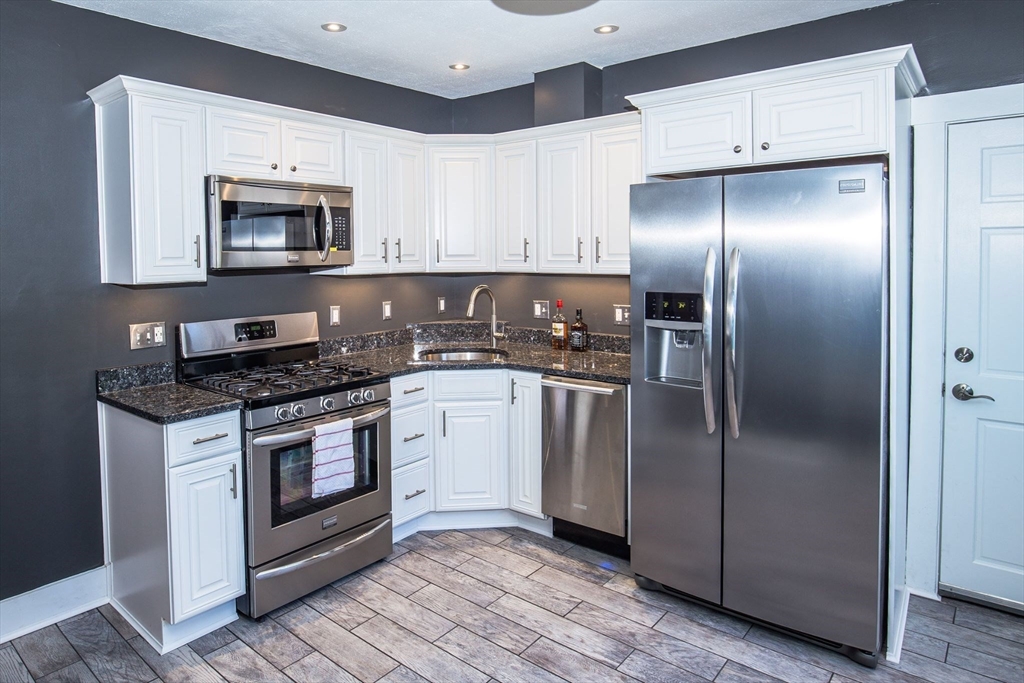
{"points": [[291, 477], [259, 226]]}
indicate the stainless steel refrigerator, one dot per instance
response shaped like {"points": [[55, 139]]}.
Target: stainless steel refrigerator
{"points": [[759, 396]]}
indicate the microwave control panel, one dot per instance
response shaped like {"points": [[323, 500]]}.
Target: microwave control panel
{"points": [[341, 227], [683, 308], [259, 329]]}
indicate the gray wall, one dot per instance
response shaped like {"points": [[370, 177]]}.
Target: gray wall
{"points": [[491, 112]]}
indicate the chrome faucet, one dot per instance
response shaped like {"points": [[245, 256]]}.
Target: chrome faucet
{"points": [[495, 334]]}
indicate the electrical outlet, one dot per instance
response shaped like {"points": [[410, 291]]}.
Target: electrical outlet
{"points": [[147, 335], [440, 304], [542, 309], [335, 316], [621, 314], [387, 310]]}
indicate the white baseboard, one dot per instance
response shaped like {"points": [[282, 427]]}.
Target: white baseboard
{"points": [[894, 654], [176, 635], [54, 602], [928, 595], [471, 519]]}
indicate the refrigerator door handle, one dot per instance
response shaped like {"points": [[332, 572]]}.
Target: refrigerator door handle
{"points": [[707, 331], [730, 341]]}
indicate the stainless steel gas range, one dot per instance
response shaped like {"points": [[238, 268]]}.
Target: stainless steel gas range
{"points": [[296, 543]]}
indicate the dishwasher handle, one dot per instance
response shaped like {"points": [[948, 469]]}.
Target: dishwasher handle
{"points": [[580, 385]]}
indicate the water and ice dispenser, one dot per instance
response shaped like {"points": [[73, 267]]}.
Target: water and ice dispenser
{"points": [[674, 338]]}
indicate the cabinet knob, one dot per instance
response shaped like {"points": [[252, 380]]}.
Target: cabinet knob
{"points": [[293, 169], [737, 149], [765, 145], [273, 166]]}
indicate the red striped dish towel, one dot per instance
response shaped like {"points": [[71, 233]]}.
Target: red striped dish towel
{"points": [[333, 463]]}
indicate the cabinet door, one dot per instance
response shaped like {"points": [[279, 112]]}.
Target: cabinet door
{"points": [[207, 557], [407, 206], [167, 174], [563, 204], [311, 152], [366, 172], [525, 464], [826, 117], [469, 455], [707, 133], [242, 144], [616, 166], [515, 199], [461, 220]]}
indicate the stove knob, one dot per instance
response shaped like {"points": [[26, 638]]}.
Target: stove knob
{"points": [[368, 395], [327, 403], [284, 413], [298, 410], [354, 398]]}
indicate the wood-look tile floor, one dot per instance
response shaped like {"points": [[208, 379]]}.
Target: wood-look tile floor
{"points": [[508, 605]]}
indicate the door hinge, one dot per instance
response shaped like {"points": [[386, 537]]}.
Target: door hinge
{"points": [[943, 389]]}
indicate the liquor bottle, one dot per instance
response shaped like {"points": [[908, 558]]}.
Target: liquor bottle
{"points": [[559, 329], [579, 339]]}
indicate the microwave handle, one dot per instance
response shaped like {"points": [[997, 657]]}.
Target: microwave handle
{"points": [[328, 226], [298, 435]]}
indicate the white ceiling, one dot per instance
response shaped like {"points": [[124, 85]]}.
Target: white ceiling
{"points": [[410, 43]]}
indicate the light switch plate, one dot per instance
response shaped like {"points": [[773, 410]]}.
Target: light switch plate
{"points": [[147, 335], [440, 304], [387, 310], [621, 314], [335, 316], [542, 309]]}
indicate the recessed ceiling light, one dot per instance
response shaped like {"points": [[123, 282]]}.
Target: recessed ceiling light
{"points": [[607, 28], [459, 66], [333, 27]]}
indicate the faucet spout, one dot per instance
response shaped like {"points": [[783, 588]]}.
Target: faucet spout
{"points": [[495, 334]]}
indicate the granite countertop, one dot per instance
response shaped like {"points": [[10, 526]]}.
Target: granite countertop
{"points": [[169, 403], [592, 365]]}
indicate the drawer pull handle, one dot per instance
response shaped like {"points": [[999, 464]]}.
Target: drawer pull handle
{"points": [[419, 492], [204, 439], [413, 437], [413, 390]]}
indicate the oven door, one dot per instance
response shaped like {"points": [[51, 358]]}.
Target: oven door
{"points": [[283, 515], [264, 224]]}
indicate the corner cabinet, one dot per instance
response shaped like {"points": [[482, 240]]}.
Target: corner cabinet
{"points": [[460, 210], [524, 431], [173, 504], [149, 155]]}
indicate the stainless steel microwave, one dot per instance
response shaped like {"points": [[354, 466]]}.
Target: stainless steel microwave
{"points": [[275, 224]]}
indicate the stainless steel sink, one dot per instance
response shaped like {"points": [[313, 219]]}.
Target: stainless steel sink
{"points": [[461, 355]]}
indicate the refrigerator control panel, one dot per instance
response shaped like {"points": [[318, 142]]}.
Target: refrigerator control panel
{"points": [[684, 308]]}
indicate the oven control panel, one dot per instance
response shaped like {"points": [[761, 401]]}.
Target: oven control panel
{"points": [[257, 329], [336, 402], [360, 396]]}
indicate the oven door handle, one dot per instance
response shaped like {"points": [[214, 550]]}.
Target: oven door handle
{"points": [[293, 566], [274, 439]]}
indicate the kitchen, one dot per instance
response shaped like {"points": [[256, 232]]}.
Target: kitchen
{"points": [[41, 302]]}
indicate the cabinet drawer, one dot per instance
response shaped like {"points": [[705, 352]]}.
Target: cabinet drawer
{"points": [[203, 437], [409, 438], [410, 389], [410, 492], [470, 384]]}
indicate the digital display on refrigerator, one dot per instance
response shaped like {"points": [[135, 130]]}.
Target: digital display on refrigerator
{"points": [[684, 308]]}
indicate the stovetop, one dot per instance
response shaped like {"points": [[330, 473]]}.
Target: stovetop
{"points": [[286, 381]]}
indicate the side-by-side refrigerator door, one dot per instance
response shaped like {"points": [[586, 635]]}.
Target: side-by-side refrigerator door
{"points": [[676, 432], [804, 354]]}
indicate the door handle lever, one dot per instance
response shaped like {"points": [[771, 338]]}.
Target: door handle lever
{"points": [[964, 392]]}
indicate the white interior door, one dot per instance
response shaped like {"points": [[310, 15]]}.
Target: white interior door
{"points": [[983, 453]]}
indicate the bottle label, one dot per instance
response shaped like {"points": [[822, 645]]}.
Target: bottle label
{"points": [[558, 329], [578, 339]]}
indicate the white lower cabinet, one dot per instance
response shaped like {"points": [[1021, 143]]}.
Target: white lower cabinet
{"points": [[470, 455], [206, 534], [410, 492], [524, 438]]}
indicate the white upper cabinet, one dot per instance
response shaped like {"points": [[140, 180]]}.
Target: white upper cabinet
{"points": [[706, 133], [243, 144], [461, 217], [838, 116], [407, 206], [311, 153], [563, 203], [366, 171], [616, 165], [515, 176]]}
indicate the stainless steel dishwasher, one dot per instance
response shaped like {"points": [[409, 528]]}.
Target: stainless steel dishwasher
{"points": [[584, 445]]}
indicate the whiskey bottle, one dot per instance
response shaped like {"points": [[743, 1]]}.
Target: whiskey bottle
{"points": [[559, 329], [579, 339]]}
